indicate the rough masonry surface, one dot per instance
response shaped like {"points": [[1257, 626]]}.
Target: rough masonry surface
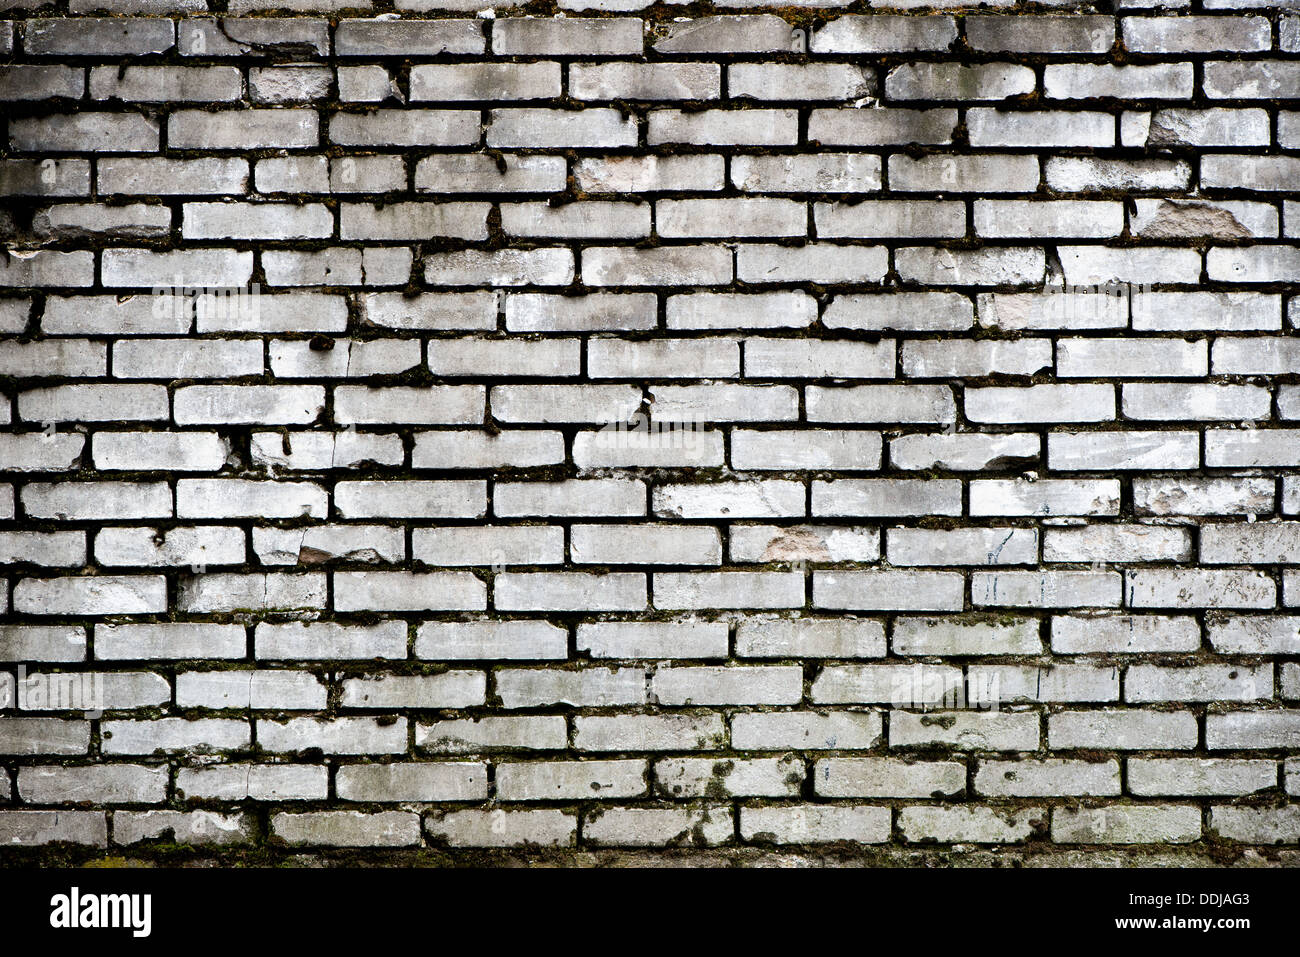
{"points": [[613, 426]]}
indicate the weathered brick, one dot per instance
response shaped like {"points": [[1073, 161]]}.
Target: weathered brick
{"points": [[560, 129], [98, 36], [567, 37], [243, 129], [408, 37], [884, 34]]}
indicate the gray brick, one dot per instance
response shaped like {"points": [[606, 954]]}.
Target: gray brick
{"points": [[98, 37], [242, 129], [950, 81], [645, 81], [727, 34], [567, 37], [1036, 34], [560, 129], [755, 127], [252, 36], [849, 127], [884, 34]]}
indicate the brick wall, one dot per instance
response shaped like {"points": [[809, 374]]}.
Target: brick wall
{"points": [[426, 428]]}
